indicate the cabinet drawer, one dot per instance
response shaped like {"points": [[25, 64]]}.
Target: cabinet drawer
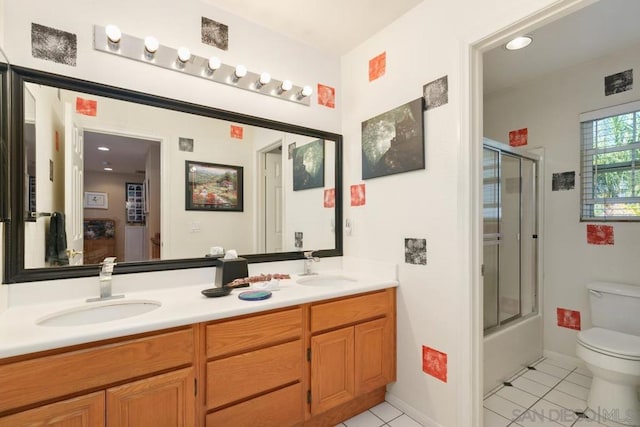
{"points": [[83, 411], [234, 336], [30, 381], [280, 408], [350, 310], [248, 374]]}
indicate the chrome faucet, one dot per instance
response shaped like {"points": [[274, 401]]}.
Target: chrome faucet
{"points": [[309, 259], [106, 269]]}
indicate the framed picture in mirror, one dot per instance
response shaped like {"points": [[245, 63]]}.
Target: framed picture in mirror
{"points": [[94, 200], [213, 187]]}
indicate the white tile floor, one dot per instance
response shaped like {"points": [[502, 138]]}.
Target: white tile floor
{"points": [[554, 394], [384, 414]]}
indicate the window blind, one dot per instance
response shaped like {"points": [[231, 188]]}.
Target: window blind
{"points": [[610, 167]]}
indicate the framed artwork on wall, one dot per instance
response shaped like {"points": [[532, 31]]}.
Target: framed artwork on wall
{"points": [[213, 187], [308, 166], [94, 200], [393, 142]]}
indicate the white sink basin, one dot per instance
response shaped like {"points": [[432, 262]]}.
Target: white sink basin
{"points": [[326, 280], [94, 313]]}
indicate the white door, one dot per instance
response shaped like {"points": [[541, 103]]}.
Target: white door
{"points": [[273, 202], [74, 180]]}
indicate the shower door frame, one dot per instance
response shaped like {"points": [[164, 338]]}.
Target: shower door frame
{"points": [[501, 148]]}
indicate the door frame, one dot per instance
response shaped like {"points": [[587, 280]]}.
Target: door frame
{"points": [[471, 114], [261, 200]]}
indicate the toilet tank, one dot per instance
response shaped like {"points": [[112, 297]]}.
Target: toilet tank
{"points": [[615, 306]]}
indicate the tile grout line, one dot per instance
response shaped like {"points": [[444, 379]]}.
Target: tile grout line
{"points": [[541, 397]]}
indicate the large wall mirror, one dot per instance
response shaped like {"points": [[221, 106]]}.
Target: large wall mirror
{"points": [[159, 183]]}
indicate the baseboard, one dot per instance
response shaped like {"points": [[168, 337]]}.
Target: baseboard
{"points": [[411, 411], [564, 358]]}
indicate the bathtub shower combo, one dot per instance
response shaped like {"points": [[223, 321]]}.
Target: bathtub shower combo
{"points": [[510, 262]]}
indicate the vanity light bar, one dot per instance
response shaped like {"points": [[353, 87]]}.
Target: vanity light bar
{"points": [[166, 57]]}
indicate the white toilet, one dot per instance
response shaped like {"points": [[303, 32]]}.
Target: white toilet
{"points": [[611, 351]]}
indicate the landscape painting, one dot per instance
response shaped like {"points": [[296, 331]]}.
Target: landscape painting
{"points": [[213, 187], [393, 142]]}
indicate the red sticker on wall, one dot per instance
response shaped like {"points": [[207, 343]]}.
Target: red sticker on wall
{"points": [[237, 132], [88, 107], [434, 363], [377, 66], [568, 318], [599, 234], [330, 198], [326, 96], [358, 196], [518, 137]]}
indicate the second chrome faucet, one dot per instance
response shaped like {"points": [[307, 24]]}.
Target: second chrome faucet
{"points": [[309, 259]]}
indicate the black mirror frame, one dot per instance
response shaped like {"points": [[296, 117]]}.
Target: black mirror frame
{"points": [[14, 271], [4, 143]]}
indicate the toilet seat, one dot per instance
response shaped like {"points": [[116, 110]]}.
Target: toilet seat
{"points": [[611, 343]]}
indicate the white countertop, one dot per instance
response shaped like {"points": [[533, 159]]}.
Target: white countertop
{"points": [[183, 305]]}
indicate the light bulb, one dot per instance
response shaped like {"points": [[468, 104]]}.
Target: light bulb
{"points": [[286, 85], [214, 63], [151, 44], [241, 71], [264, 79], [306, 91], [113, 33], [184, 54]]}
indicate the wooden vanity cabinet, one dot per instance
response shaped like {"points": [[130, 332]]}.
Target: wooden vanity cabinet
{"points": [[352, 348], [133, 381], [255, 370], [315, 364]]}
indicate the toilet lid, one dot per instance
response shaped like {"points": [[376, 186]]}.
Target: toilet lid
{"points": [[614, 343]]}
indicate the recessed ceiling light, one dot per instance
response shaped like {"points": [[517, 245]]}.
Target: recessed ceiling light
{"points": [[104, 148], [108, 169], [519, 43]]}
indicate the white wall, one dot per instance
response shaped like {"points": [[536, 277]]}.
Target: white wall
{"points": [[434, 301], [177, 24], [48, 121], [549, 108]]}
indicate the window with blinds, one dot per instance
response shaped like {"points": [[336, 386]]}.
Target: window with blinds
{"points": [[610, 152]]}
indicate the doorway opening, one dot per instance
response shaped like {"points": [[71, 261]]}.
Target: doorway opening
{"points": [[127, 169]]}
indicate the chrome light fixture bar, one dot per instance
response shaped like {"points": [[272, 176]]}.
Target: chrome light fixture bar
{"points": [[174, 59]]}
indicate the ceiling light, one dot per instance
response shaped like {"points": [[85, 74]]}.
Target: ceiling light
{"points": [[265, 79], [184, 54], [104, 148], [108, 169], [151, 44], [113, 33], [519, 43]]}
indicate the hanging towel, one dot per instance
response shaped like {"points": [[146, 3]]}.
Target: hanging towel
{"points": [[57, 242]]}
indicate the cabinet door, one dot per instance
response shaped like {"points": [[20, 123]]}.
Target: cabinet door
{"points": [[332, 378], [374, 354], [84, 411], [166, 400]]}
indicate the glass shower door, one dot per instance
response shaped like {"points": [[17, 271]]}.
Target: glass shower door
{"points": [[509, 228], [491, 232]]}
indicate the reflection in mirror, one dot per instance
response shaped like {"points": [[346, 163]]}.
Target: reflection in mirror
{"points": [[113, 171]]}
